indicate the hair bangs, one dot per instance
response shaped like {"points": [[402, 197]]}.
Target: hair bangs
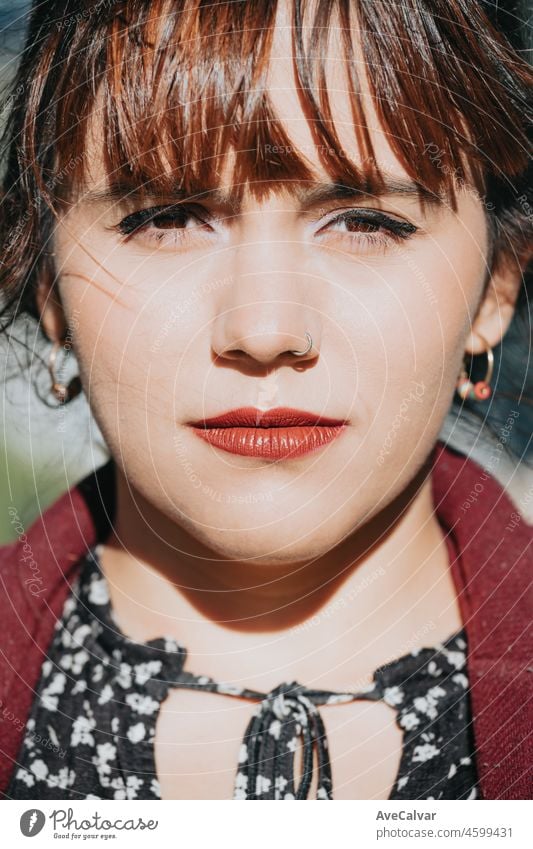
{"points": [[183, 86]]}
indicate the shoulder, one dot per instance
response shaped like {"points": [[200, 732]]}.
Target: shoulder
{"points": [[494, 542], [35, 569], [469, 498], [492, 575], [44, 553], [34, 562], [36, 574]]}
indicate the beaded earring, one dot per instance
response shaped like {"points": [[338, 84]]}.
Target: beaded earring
{"points": [[63, 392], [481, 390]]}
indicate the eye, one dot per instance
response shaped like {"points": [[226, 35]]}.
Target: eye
{"points": [[366, 229], [166, 224]]}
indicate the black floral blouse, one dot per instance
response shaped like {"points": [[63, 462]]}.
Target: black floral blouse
{"points": [[91, 730]]}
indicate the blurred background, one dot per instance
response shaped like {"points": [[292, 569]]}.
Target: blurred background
{"points": [[45, 451]]}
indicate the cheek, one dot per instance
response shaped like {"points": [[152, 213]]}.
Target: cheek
{"points": [[137, 347], [407, 321]]}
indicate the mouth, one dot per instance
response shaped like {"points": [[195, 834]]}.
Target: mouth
{"points": [[276, 434]]}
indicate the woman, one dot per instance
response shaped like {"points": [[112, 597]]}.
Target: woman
{"points": [[282, 240]]}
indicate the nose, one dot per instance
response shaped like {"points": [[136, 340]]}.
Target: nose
{"points": [[267, 318], [247, 337]]}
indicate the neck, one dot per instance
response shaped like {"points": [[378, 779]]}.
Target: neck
{"points": [[389, 576]]}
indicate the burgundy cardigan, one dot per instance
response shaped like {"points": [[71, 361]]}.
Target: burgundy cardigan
{"points": [[492, 554]]}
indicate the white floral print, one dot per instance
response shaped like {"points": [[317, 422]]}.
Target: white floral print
{"points": [[99, 696]]}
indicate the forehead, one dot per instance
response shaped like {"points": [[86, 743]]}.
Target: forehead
{"points": [[291, 111]]}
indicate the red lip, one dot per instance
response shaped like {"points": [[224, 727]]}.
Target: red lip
{"points": [[270, 434]]}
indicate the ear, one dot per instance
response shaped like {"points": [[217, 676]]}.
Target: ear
{"points": [[497, 307], [50, 308]]}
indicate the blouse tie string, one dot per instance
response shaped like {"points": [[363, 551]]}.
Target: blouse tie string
{"points": [[266, 765], [284, 717]]}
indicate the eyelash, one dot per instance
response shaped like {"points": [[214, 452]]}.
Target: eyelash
{"points": [[389, 229]]}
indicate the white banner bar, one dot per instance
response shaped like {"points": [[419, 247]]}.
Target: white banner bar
{"points": [[214, 824]]}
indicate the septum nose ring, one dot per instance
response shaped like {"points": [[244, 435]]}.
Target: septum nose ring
{"points": [[309, 346]]}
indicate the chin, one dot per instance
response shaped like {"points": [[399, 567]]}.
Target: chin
{"points": [[270, 546]]}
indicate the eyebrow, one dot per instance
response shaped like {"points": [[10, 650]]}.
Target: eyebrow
{"points": [[308, 197]]}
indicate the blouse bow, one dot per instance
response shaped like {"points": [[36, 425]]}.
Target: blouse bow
{"points": [[282, 719]]}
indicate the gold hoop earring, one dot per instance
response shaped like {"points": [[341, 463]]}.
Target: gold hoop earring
{"points": [[63, 392], [481, 390]]}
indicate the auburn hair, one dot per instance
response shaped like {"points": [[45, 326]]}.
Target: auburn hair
{"points": [[178, 84]]}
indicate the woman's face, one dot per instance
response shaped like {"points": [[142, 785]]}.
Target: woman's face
{"points": [[196, 314]]}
